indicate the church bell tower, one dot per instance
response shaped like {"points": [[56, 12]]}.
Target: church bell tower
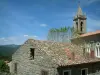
{"points": [[80, 22]]}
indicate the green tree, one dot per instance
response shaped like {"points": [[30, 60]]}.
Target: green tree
{"points": [[3, 66], [58, 34], [63, 34]]}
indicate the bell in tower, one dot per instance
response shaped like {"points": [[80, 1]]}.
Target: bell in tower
{"points": [[80, 22]]}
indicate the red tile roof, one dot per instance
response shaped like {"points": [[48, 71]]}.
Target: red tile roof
{"points": [[90, 33], [78, 59], [68, 52], [81, 61]]}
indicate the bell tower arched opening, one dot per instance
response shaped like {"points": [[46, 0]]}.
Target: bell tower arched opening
{"points": [[81, 26]]}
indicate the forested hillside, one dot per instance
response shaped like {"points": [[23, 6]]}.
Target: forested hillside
{"points": [[6, 51]]}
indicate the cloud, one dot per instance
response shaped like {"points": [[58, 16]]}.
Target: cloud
{"points": [[25, 35], [29, 36], [32, 37], [43, 25], [35, 36], [16, 39]]}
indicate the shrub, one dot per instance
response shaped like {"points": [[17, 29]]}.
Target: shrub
{"points": [[3, 66]]}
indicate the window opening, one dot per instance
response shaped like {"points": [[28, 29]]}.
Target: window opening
{"points": [[32, 53]]}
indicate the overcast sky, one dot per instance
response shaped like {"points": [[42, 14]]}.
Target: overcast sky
{"points": [[23, 19]]}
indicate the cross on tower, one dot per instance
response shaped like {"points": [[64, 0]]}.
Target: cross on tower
{"points": [[78, 3]]}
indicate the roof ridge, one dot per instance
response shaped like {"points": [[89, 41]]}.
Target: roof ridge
{"points": [[47, 41]]}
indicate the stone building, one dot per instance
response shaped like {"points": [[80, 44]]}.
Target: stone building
{"points": [[37, 57]]}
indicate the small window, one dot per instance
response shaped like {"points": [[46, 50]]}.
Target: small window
{"points": [[84, 71], [15, 67], [43, 72], [67, 72], [32, 53], [97, 44]]}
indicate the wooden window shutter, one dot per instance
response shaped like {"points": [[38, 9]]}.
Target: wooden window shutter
{"points": [[73, 56], [92, 54]]}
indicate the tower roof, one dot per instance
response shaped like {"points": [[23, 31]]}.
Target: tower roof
{"points": [[79, 12]]}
